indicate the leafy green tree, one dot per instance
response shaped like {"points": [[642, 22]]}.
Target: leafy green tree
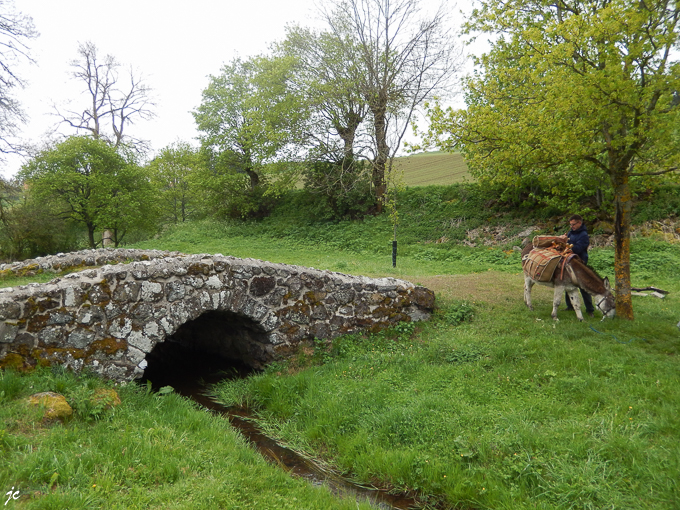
{"points": [[249, 120], [173, 176], [29, 228], [576, 94], [88, 182], [325, 69]]}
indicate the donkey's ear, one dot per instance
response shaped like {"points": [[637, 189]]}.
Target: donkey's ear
{"points": [[606, 283]]}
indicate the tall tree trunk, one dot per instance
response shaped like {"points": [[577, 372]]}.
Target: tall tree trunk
{"points": [[624, 206], [90, 235], [380, 161], [254, 178]]}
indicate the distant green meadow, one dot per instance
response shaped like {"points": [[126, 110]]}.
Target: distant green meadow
{"points": [[432, 168]]}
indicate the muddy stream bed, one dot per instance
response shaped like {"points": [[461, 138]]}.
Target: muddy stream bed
{"points": [[190, 374]]}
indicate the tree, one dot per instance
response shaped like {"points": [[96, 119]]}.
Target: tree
{"points": [[248, 121], [89, 183], [172, 174], [28, 228], [324, 72], [570, 92], [15, 30], [336, 136], [112, 104], [402, 59]]}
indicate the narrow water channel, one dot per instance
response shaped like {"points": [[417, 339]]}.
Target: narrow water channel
{"points": [[190, 373]]}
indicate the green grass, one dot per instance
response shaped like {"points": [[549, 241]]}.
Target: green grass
{"points": [[506, 410], [152, 451], [488, 405], [11, 281]]}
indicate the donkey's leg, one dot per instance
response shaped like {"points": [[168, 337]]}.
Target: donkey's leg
{"points": [[528, 283], [575, 297], [557, 299]]}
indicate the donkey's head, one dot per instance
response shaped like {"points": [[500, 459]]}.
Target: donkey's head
{"points": [[606, 302]]}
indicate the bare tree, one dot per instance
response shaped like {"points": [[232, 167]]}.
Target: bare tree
{"points": [[15, 29], [113, 102], [403, 59], [325, 75]]}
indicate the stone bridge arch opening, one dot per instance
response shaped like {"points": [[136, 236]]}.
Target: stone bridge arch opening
{"points": [[215, 345]]}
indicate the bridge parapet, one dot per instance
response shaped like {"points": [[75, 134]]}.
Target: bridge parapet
{"points": [[107, 319]]}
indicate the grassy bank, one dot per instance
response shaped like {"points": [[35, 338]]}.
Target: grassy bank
{"points": [[488, 405], [151, 451]]}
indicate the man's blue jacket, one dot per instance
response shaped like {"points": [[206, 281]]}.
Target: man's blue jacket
{"points": [[580, 241]]}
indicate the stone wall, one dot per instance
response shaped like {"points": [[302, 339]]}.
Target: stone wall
{"points": [[109, 317]]}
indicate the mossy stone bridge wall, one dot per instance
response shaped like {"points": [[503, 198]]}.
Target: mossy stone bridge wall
{"points": [[111, 313]]}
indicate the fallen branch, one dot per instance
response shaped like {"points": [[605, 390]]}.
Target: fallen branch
{"points": [[642, 289]]}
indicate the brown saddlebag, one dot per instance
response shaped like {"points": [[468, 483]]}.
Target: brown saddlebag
{"points": [[541, 264]]}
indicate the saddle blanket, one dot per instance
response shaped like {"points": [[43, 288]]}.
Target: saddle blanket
{"points": [[540, 264]]}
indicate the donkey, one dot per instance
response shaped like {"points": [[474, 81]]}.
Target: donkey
{"points": [[575, 275]]}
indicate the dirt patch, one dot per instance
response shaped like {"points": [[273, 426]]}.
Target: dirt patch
{"points": [[491, 287]]}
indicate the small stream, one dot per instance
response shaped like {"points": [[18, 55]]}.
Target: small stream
{"points": [[190, 373]]}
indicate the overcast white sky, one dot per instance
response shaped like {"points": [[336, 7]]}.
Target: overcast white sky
{"points": [[173, 44]]}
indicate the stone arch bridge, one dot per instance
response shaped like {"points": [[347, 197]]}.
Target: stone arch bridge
{"points": [[111, 313]]}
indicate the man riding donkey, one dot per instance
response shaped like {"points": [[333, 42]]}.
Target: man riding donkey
{"points": [[560, 262]]}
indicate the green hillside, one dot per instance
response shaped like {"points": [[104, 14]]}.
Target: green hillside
{"points": [[430, 168]]}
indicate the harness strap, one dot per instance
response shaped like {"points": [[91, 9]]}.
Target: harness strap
{"points": [[567, 255]]}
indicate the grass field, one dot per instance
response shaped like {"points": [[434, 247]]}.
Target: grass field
{"points": [[486, 406], [430, 168]]}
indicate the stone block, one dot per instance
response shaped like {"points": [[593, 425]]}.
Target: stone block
{"points": [[151, 291], [51, 335], [175, 291], [120, 327], [80, 338], [140, 270], [423, 297], [140, 341], [126, 292], [55, 405], [73, 297], [60, 318], [262, 285], [90, 314], [153, 331], [99, 294], [8, 331], [214, 282], [9, 309]]}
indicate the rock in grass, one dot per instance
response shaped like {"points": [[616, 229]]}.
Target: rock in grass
{"points": [[56, 407], [107, 398]]}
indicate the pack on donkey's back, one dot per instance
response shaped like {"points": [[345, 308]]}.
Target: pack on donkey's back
{"points": [[551, 261]]}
